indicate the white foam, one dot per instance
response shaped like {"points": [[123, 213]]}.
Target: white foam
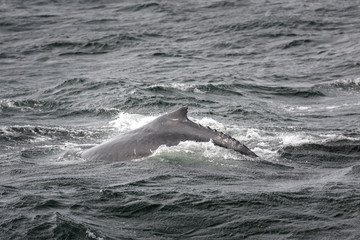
{"points": [[40, 139], [92, 235], [11, 104], [209, 122], [179, 86], [316, 107], [127, 121], [198, 149], [296, 139], [347, 82]]}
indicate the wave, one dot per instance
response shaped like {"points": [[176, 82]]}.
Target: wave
{"points": [[142, 6], [76, 86], [347, 85], [101, 45], [41, 144], [213, 211], [328, 154], [284, 22], [223, 4], [46, 108], [284, 91], [27, 105], [19, 134], [50, 226], [237, 90], [219, 89], [66, 99]]}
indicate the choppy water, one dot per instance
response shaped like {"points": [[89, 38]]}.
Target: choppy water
{"points": [[283, 77]]}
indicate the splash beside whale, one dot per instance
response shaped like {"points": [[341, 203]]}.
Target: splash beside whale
{"points": [[169, 130]]}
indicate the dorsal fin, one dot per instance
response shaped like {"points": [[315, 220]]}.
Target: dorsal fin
{"points": [[180, 114]]}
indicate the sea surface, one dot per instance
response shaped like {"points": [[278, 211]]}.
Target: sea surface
{"points": [[282, 77]]}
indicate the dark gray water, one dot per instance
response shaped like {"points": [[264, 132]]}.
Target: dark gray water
{"points": [[283, 77]]}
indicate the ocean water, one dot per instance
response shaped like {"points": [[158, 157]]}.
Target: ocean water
{"points": [[283, 77]]}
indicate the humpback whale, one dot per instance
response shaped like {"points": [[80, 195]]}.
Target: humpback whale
{"points": [[169, 130]]}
